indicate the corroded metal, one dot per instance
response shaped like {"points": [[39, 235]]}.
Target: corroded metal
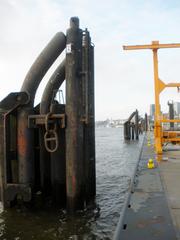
{"points": [[132, 128], [30, 85], [88, 112], [52, 87], [41, 65], [53, 171], [146, 122], [9, 182], [35, 154], [75, 178]]}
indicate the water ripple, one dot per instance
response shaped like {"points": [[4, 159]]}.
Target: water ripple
{"points": [[115, 162]]}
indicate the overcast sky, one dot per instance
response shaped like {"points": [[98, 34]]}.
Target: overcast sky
{"points": [[123, 79]]}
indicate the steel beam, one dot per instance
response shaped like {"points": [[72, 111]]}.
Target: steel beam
{"points": [[154, 45], [158, 85]]}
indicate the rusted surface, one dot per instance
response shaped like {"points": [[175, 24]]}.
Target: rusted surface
{"points": [[8, 144], [33, 143], [131, 128], [75, 178], [2, 156], [89, 115], [52, 87], [53, 168], [42, 64], [13, 100], [34, 120], [30, 85]]}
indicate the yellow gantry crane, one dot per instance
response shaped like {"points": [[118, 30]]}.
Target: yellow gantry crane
{"points": [[160, 136]]}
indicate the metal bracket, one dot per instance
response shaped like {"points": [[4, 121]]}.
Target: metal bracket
{"points": [[35, 121], [13, 100]]}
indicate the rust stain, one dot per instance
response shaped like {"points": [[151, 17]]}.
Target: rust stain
{"points": [[73, 183], [22, 144]]}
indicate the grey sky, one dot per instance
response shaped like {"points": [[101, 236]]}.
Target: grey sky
{"points": [[124, 80]]}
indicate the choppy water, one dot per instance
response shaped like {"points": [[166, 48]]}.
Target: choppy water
{"points": [[115, 164]]}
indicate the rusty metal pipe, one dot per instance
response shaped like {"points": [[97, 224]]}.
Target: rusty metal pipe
{"points": [[75, 181], [52, 87], [30, 85], [137, 124], [42, 64], [131, 116]]}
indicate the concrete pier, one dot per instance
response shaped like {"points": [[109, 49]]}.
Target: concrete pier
{"points": [[152, 208], [170, 176]]}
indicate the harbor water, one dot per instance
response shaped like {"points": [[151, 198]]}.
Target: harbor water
{"points": [[115, 163]]}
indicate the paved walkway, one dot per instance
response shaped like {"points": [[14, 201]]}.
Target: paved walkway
{"points": [[170, 176], [153, 207]]}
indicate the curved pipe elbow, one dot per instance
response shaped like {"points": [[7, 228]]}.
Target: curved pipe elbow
{"points": [[41, 65]]}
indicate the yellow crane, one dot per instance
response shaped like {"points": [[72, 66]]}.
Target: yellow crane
{"points": [[160, 136]]}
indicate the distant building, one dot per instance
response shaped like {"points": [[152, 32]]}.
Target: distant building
{"points": [[152, 110], [177, 108]]}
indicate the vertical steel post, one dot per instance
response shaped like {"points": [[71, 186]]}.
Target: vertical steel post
{"points": [[2, 157], [146, 122], [157, 124], [132, 131], [137, 125], [90, 124], [171, 114], [129, 130], [89, 120], [125, 131], [75, 182]]}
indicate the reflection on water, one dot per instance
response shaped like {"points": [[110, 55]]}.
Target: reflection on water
{"points": [[115, 163]]}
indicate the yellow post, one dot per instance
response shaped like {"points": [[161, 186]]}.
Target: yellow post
{"points": [[157, 124], [158, 87]]}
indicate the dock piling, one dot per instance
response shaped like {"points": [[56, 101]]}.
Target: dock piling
{"points": [[48, 150]]}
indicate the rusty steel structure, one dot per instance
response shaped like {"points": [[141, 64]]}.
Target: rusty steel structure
{"points": [[134, 126], [49, 149]]}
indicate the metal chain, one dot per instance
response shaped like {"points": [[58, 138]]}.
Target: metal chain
{"points": [[50, 135]]}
